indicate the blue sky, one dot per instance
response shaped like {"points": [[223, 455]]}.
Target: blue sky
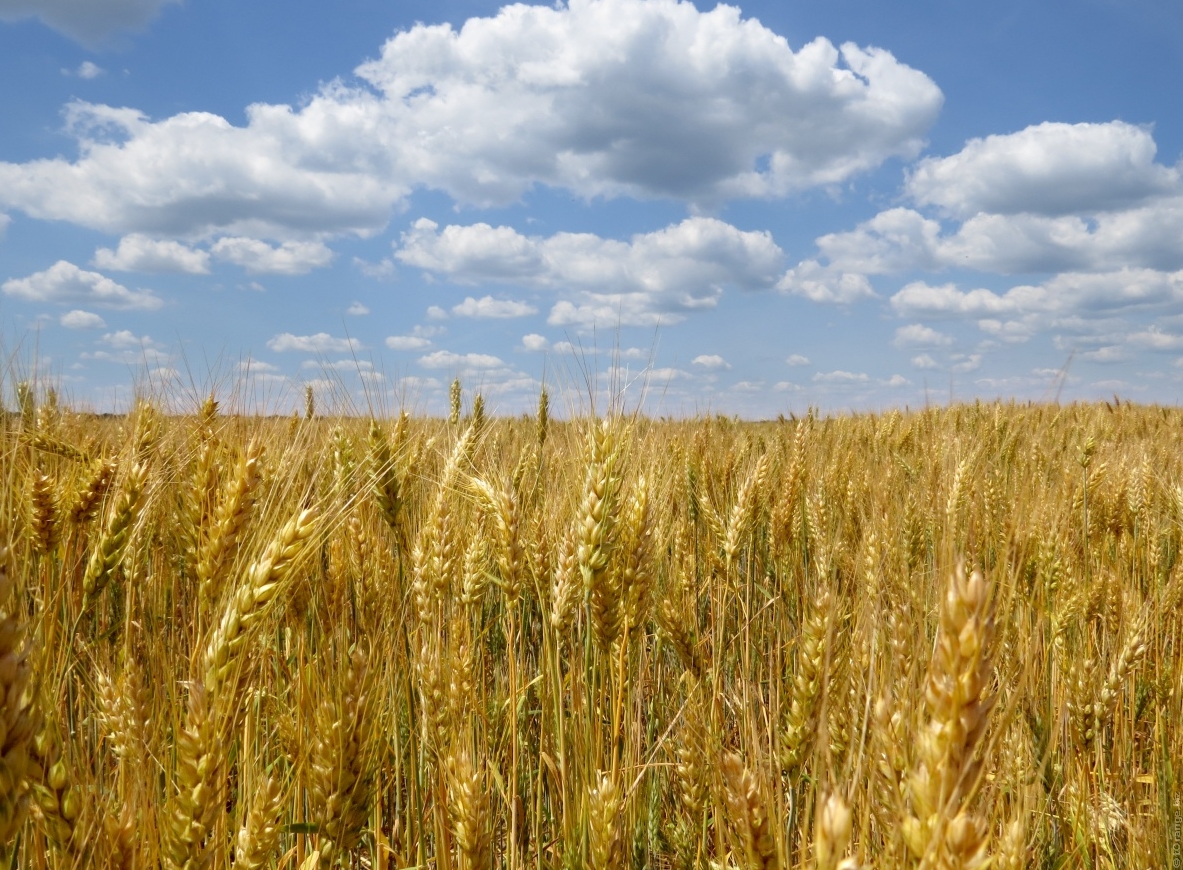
{"points": [[741, 209]]}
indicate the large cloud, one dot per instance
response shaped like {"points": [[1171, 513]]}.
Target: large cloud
{"points": [[1046, 169], [646, 98], [89, 22], [653, 277], [63, 282], [1058, 199]]}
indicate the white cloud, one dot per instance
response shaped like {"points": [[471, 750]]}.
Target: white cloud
{"points": [[1066, 293], [748, 387], [356, 309], [1047, 169], [535, 342], [290, 258], [966, 362], [407, 342], [643, 98], [924, 361], [89, 22], [711, 362], [64, 282], [446, 359], [840, 377], [1110, 354], [896, 381], [821, 284], [125, 338], [138, 253], [322, 342], [1154, 338], [434, 312], [257, 366], [78, 319], [383, 270], [918, 335], [130, 349], [797, 359], [492, 309], [654, 277], [89, 70]]}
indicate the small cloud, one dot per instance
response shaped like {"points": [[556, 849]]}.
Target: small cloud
{"points": [[65, 282], [966, 363], [918, 335], [125, 338], [535, 342], [1109, 354], [407, 342], [254, 365], [322, 342], [797, 359], [446, 359], [563, 347], [748, 387], [383, 270], [434, 312], [488, 308], [924, 361], [710, 362], [357, 310], [256, 256], [85, 70], [840, 377], [896, 381], [785, 387], [138, 253], [78, 319]]}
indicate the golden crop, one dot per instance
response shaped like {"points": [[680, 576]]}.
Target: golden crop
{"points": [[946, 638]]}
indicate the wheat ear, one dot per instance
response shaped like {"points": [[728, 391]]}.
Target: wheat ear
{"points": [[111, 546], [18, 716], [749, 815], [944, 833]]}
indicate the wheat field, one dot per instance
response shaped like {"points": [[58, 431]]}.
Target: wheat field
{"points": [[942, 638]]}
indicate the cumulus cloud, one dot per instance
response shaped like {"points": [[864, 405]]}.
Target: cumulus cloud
{"points": [[918, 335], [257, 257], [124, 346], [63, 282], [356, 309], [534, 342], [88, 70], [446, 359], [654, 277], [1065, 293], [79, 319], [321, 342], [138, 253], [710, 362], [641, 98], [819, 283], [1047, 169], [488, 308], [407, 342], [89, 22], [840, 377], [796, 359], [924, 361]]}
